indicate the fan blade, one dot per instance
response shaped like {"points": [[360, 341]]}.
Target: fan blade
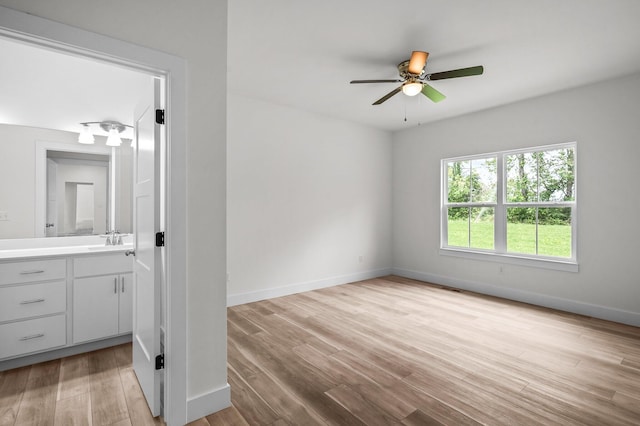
{"points": [[432, 93], [387, 96], [374, 81], [417, 62], [462, 72]]}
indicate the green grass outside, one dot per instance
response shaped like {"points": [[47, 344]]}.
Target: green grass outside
{"points": [[554, 240]]}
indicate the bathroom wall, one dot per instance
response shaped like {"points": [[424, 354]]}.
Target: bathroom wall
{"points": [[17, 176]]}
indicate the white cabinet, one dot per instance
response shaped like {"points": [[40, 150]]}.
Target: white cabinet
{"points": [[33, 305], [102, 297]]}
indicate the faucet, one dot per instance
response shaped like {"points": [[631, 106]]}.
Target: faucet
{"points": [[114, 238]]}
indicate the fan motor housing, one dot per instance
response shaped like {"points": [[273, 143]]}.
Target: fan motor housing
{"points": [[403, 70]]}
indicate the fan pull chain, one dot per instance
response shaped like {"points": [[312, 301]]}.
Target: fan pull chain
{"points": [[405, 110]]}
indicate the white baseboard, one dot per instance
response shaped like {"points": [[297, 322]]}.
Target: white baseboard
{"points": [[208, 403], [270, 293], [567, 305]]}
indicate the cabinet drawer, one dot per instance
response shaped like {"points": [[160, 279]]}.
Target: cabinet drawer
{"points": [[33, 270], [32, 300], [101, 265], [19, 338]]}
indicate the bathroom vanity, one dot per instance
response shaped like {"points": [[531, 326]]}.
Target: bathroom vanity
{"points": [[57, 301], [64, 287]]}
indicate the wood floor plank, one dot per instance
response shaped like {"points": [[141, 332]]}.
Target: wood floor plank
{"points": [[108, 403], [420, 418], [123, 355], [12, 386], [38, 404], [74, 410], [360, 407], [227, 417], [74, 377], [249, 402], [139, 412]]}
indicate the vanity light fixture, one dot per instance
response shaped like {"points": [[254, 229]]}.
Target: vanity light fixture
{"points": [[114, 128], [86, 137]]}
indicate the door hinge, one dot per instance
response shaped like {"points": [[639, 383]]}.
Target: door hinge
{"points": [[160, 116], [159, 239], [160, 362]]}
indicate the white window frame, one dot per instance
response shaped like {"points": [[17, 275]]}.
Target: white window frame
{"points": [[499, 253]]}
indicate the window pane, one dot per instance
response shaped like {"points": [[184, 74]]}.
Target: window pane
{"points": [[521, 230], [458, 183], [484, 177], [481, 227], [557, 175], [522, 182], [554, 231], [458, 226]]}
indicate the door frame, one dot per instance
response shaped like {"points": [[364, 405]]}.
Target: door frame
{"points": [[66, 39]]}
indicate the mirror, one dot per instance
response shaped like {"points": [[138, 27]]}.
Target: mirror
{"points": [[52, 186], [77, 194]]}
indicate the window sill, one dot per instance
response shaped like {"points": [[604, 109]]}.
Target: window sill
{"points": [[512, 259]]}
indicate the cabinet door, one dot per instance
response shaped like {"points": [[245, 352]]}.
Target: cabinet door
{"points": [[126, 303], [95, 307]]}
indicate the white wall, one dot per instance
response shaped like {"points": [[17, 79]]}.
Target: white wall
{"points": [[307, 196], [197, 33], [603, 119], [17, 175]]}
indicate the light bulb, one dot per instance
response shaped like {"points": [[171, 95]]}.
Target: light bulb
{"points": [[114, 138], [411, 89], [86, 137]]}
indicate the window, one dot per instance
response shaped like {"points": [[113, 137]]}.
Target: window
{"points": [[518, 204]]}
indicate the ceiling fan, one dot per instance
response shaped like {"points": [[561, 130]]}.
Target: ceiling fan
{"points": [[414, 78]]}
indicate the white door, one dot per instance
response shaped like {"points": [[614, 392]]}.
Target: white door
{"points": [[147, 265]]}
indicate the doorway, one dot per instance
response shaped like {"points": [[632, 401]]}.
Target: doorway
{"points": [[67, 41]]}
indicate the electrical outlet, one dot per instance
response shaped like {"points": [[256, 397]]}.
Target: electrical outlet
{"points": [[4, 216]]}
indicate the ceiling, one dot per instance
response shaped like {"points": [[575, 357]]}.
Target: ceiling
{"points": [[52, 90], [303, 55]]}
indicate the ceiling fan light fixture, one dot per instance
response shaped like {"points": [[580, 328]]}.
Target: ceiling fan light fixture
{"points": [[411, 88], [85, 136]]}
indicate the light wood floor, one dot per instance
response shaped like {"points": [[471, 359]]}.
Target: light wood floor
{"points": [[395, 351], [95, 389], [378, 352]]}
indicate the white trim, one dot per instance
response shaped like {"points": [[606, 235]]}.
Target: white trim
{"points": [[63, 38], [567, 305], [207, 403], [270, 293], [556, 264]]}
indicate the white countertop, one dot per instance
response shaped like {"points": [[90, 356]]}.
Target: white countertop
{"points": [[61, 251]]}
